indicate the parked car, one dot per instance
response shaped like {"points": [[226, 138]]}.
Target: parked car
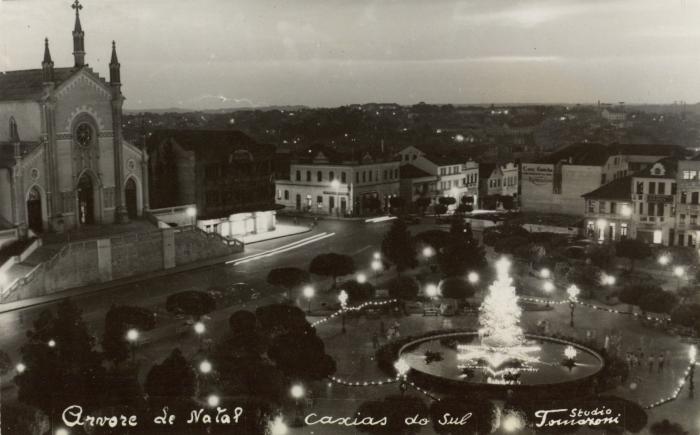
{"points": [[237, 293]]}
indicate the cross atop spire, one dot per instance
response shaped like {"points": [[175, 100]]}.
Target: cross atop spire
{"points": [[78, 36]]}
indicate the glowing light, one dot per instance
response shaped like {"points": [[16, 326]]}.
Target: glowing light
{"points": [[473, 277], [377, 255], [282, 249], [664, 260], [199, 328], [62, 431], [20, 367], [213, 400], [548, 286], [573, 292], [545, 273], [132, 335], [500, 314], [278, 426], [626, 211], [608, 279], [191, 212], [297, 391], [570, 352], [343, 298], [428, 252], [205, 367], [601, 223], [376, 265], [52, 343], [361, 278], [512, 422], [401, 367], [431, 290], [679, 271], [692, 353], [335, 184], [308, 292]]}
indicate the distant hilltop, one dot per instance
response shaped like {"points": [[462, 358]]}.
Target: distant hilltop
{"points": [[224, 110]]}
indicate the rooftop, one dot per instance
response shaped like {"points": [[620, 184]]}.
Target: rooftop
{"points": [[7, 152], [620, 189], [409, 171], [212, 144], [595, 154], [28, 84]]}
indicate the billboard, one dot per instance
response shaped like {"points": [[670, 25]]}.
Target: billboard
{"points": [[537, 173]]}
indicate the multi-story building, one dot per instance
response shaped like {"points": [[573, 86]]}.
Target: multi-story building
{"points": [[688, 203], [451, 171], [326, 182], [653, 199], [225, 174], [502, 184], [471, 181], [415, 184], [557, 183], [608, 212]]}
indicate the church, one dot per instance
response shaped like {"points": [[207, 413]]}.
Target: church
{"points": [[63, 161]]}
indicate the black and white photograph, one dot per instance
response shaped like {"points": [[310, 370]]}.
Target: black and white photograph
{"points": [[321, 217]]}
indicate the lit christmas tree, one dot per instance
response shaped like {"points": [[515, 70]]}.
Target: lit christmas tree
{"points": [[500, 313]]}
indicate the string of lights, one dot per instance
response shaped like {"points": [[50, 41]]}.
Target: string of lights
{"points": [[355, 308], [589, 305], [347, 383]]}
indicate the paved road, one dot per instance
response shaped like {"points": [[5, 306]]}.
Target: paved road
{"points": [[355, 238]]}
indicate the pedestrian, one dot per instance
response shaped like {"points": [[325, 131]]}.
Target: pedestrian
{"points": [[650, 362]]}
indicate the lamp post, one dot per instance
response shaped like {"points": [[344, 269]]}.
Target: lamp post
{"points": [[361, 278], [335, 184], [679, 271], [545, 273], [573, 293], [402, 369], [297, 392], [192, 214], [376, 267], [692, 354], [213, 400], [309, 293], [432, 291], [132, 336], [473, 278], [664, 260], [548, 288], [199, 329], [608, 280], [343, 298]]}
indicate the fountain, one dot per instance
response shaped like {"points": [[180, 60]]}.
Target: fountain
{"points": [[500, 353]]}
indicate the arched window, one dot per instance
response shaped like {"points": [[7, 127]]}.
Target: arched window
{"points": [[14, 133]]}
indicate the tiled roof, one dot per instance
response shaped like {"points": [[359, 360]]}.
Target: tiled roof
{"points": [[212, 144], [28, 84], [410, 171], [620, 189], [670, 165]]}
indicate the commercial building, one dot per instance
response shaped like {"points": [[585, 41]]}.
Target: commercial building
{"points": [[608, 212], [502, 185], [557, 183], [325, 182], [224, 175], [688, 203]]}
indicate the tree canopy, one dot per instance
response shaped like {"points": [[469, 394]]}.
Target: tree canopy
{"points": [[403, 288], [332, 265], [173, 379], [398, 246], [462, 254], [358, 293], [633, 250], [119, 319], [288, 277], [456, 288]]}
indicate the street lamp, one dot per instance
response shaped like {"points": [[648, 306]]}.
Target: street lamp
{"points": [[361, 278], [335, 184], [205, 367], [132, 336], [51, 343], [20, 367], [608, 279], [377, 255], [431, 291], [573, 293], [309, 293], [343, 298], [548, 288], [664, 260], [679, 271], [545, 273], [512, 423], [473, 277], [199, 329], [402, 368], [692, 355], [428, 252], [376, 267], [191, 213], [213, 400], [297, 392]]}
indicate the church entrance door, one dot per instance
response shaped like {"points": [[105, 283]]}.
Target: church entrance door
{"points": [[86, 200], [130, 198], [34, 215]]}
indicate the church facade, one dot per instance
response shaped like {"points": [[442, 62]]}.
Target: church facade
{"points": [[63, 161]]}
